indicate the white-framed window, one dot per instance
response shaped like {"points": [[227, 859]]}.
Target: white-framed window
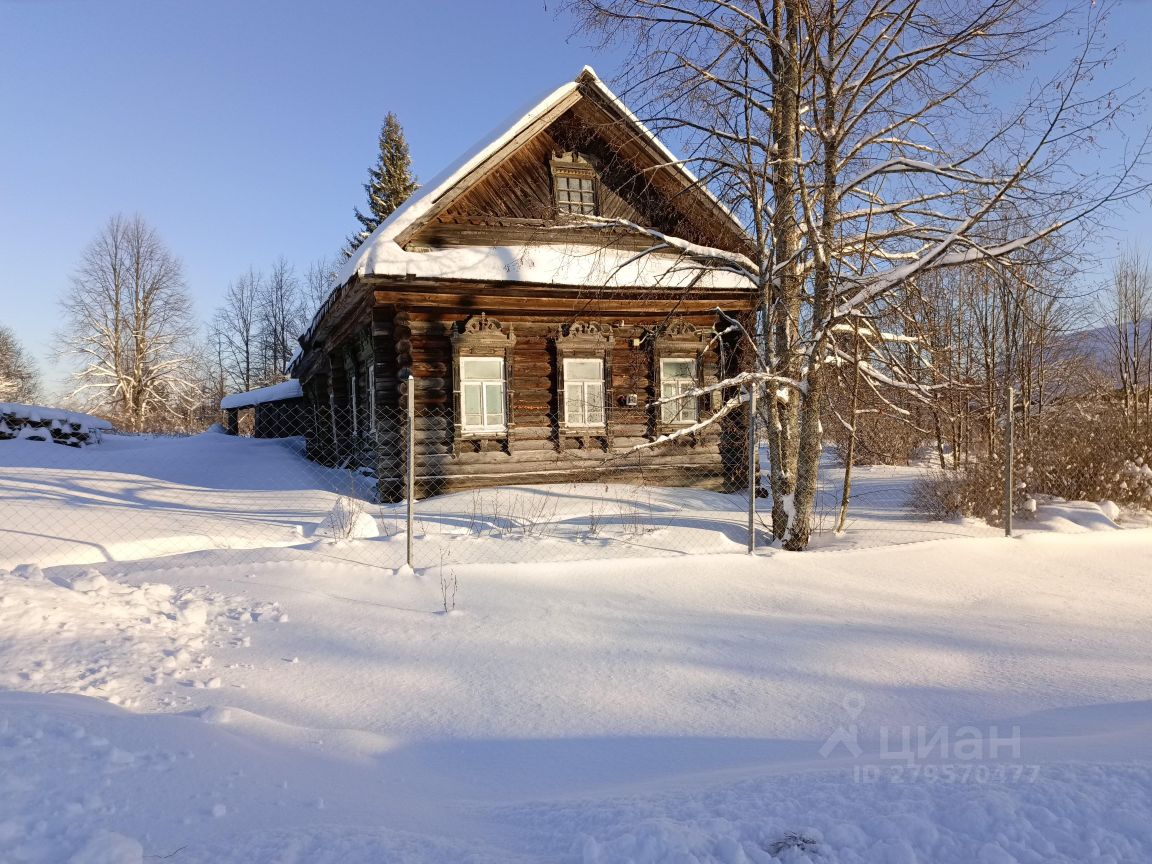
{"points": [[677, 376], [482, 394], [583, 391]]}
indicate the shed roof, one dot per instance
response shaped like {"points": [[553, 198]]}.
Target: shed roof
{"points": [[289, 389]]}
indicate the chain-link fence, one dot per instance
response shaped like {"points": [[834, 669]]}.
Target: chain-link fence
{"points": [[424, 488]]}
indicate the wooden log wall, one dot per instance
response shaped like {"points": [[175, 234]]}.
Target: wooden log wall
{"points": [[536, 449]]}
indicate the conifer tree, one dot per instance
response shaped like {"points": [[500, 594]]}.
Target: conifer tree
{"points": [[390, 181]]}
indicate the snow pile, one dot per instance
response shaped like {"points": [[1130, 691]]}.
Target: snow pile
{"points": [[40, 423], [1072, 517], [289, 389], [1136, 480], [84, 633], [663, 710], [108, 847], [347, 520]]}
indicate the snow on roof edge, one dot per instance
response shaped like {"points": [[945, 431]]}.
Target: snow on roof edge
{"points": [[427, 195], [289, 389]]}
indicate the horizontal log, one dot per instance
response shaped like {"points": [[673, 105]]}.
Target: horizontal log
{"points": [[525, 472], [428, 489]]}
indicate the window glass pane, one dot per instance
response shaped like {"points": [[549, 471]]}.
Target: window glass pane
{"points": [[573, 404], [677, 368], [494, 404], [594, 403], [473, 405], [575, 194], [583, 370], [482, 368], [677, 376]]}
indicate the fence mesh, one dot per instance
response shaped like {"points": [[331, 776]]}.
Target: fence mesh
{"points": [[311, 478]]}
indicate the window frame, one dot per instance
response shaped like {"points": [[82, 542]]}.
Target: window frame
{"points": [[680, 406], [583, 340], [371, 393], [568, 380], [678, 339], [480, 337], [573, 166], [484, 428]]}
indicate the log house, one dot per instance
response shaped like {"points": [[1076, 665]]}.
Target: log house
{"points": [[538, 345]]}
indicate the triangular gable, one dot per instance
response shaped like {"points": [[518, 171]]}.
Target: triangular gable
{"points": [[587, 94]]}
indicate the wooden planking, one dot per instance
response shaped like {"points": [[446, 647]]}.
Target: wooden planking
{"points": [[635, 183]]}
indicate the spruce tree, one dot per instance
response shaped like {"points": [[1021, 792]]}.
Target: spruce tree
{"points": [[390, 181]]}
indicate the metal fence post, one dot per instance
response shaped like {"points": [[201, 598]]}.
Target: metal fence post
{"points": [[1009, 421], [753, 464], [410, 460]]}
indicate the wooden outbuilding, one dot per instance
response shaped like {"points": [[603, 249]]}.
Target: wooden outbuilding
{"points": [[278, 411], [539, 339]]}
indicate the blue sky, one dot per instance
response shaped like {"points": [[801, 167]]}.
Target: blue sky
{"points": [[243, 129]]}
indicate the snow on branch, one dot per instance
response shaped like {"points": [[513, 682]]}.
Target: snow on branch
{"points": [[708, 256]]}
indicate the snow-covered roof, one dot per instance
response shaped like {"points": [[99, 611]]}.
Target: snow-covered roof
{"points": [[289, 389], [565, 263], [42, 413], [381, 255]]}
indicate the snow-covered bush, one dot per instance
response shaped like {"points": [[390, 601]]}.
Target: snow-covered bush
{"points": [[39, 423], [348, 520], [1081, 452], [976, 490]]}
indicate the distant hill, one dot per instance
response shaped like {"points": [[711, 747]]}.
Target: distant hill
{"points": [[1099, 344]]}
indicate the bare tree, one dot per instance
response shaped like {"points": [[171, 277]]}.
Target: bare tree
{"points": [[319, 280], [847, 136], [19, 380], [128, 320], [1131, 340], [235, 331], [280, 309]]}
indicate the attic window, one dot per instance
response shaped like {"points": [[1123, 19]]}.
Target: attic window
{"points": [[574, 184]]}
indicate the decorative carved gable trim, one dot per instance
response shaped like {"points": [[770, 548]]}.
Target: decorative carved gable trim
{"points": [[481, 336], [480, 331], [586, 334], [678, 329]]}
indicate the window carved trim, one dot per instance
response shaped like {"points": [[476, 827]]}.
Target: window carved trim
{"points": [[583, 340], [680, 339], [481, 336]]}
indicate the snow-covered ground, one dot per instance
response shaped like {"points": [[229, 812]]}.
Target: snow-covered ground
{"points": [[956, 700], [139, 497], [133, 498]]}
